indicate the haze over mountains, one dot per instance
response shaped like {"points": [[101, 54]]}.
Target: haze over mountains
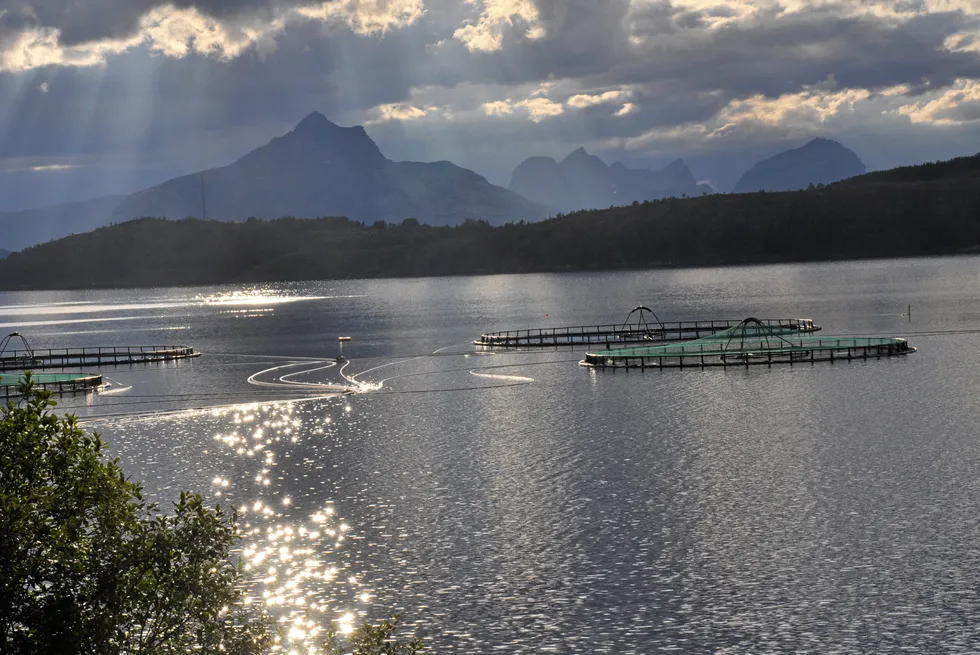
{"points": [[25, 228], [322, 169], [584, 181]]}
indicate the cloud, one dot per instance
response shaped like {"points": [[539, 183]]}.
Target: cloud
{"points": [[367, 16], [955, 106], [538, 109], [808, 107], [795, 115], [403, 111], [36, 48], [498, 108], [47, 34], [179, 32], [484, 81], [43, 168], [583, 100], [486, 33], [626, 109]]}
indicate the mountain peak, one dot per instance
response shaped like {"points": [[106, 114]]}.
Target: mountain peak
{"points": [[819, 161], [820, 142], [679, 173], [578, 153], [316, 123], [584, 181], [581, 158], [677, 165], [316, 141]]}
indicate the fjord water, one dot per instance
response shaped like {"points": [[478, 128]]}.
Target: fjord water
{"points": [[515, 502]]}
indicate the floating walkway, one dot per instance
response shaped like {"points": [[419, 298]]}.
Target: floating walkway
{"points": [[30, 359], [59, 383], [635, 329], [750, 343]]}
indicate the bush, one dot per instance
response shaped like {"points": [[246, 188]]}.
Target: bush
{"points": [[88, 566]]}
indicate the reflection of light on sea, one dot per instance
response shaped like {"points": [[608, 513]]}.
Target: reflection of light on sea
{"points": [[256, 296], [292, 563], [250, 311]]}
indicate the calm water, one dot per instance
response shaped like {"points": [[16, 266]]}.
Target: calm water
{"points": [[518, 503]]}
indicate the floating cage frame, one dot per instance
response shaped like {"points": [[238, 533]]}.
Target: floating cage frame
{"points": [[637, 328], [59, 383], [34, 359], [750, 343]]}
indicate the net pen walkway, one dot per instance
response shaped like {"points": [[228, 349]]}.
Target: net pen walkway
{"points": [[640, 326], [18, 360]]}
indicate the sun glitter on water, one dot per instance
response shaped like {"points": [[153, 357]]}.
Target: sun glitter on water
{"points": [[291, 555]]}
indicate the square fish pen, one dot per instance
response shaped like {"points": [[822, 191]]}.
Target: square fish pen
{"points": [[750, 343]]}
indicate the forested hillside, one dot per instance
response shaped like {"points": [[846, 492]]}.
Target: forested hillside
{"points": [[925, 210]]}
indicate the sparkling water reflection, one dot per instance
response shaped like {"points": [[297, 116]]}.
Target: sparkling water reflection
{"points": [[514, 502]]}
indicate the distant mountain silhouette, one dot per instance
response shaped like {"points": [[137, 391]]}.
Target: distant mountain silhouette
{"points": [[914, 211], [20, 229], [820, 161], [4, 253], [322, 169], [583, 181]]}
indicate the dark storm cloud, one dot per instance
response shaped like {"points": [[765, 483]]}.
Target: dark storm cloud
{"points": [[144, 99], [670, 61], [785, 53]]}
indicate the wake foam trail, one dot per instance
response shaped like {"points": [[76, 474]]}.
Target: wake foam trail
{"points": [[505, 378]]}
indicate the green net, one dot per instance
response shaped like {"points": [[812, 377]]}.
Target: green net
{"points": [[13, 379], [752, 338]]}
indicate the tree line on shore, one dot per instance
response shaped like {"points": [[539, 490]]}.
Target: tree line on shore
{"points": [[914, 211]]}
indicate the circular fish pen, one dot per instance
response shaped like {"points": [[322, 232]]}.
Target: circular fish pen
{"points": [[58, 383], [750, 343]]}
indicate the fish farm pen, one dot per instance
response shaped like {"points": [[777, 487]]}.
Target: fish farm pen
{"points": [[635, 329], [59, 383], [750, 343], [31, 359]]}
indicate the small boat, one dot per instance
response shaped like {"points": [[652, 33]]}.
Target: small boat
{"points": [[343, 338]]}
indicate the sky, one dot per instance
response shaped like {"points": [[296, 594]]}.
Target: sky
{"points": [[109, 96]]}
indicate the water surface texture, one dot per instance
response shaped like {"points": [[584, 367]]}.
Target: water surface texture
{"points": [[515, 502]]}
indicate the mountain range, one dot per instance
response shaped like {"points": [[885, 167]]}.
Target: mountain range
{"points": [[821, 161], [584, 181], [915, 211], [322, 169]]}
